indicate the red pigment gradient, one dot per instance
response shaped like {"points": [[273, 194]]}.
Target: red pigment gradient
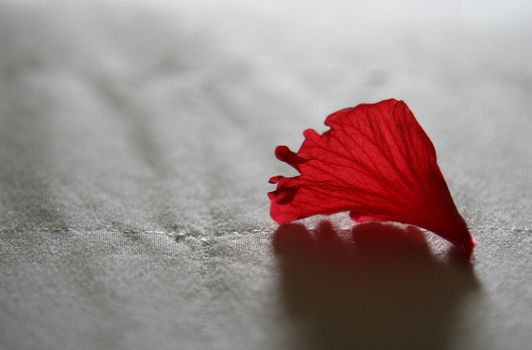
{"points": [[375, 162]]}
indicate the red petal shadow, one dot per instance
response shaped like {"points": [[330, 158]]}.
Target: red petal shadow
{"points": [[376, 287]]}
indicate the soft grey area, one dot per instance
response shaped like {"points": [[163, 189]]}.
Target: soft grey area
{"points": [[136, 140]]}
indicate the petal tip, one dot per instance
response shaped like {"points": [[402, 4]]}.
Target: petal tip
{"points": [[285, 154]]}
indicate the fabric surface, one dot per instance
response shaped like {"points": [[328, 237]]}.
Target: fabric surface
{"points": [[136, 140]]}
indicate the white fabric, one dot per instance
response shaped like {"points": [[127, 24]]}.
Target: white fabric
{"points": [[136, 140]]}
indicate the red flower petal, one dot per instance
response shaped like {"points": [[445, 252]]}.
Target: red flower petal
{"points": [[375, 162]]}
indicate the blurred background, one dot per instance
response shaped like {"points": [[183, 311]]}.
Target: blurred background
{"points": [[137, 137]]}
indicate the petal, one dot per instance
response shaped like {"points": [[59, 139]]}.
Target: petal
{"points": [[376, 162]]}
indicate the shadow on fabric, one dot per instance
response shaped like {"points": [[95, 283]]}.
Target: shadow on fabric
{"points": [[380, 287]]}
